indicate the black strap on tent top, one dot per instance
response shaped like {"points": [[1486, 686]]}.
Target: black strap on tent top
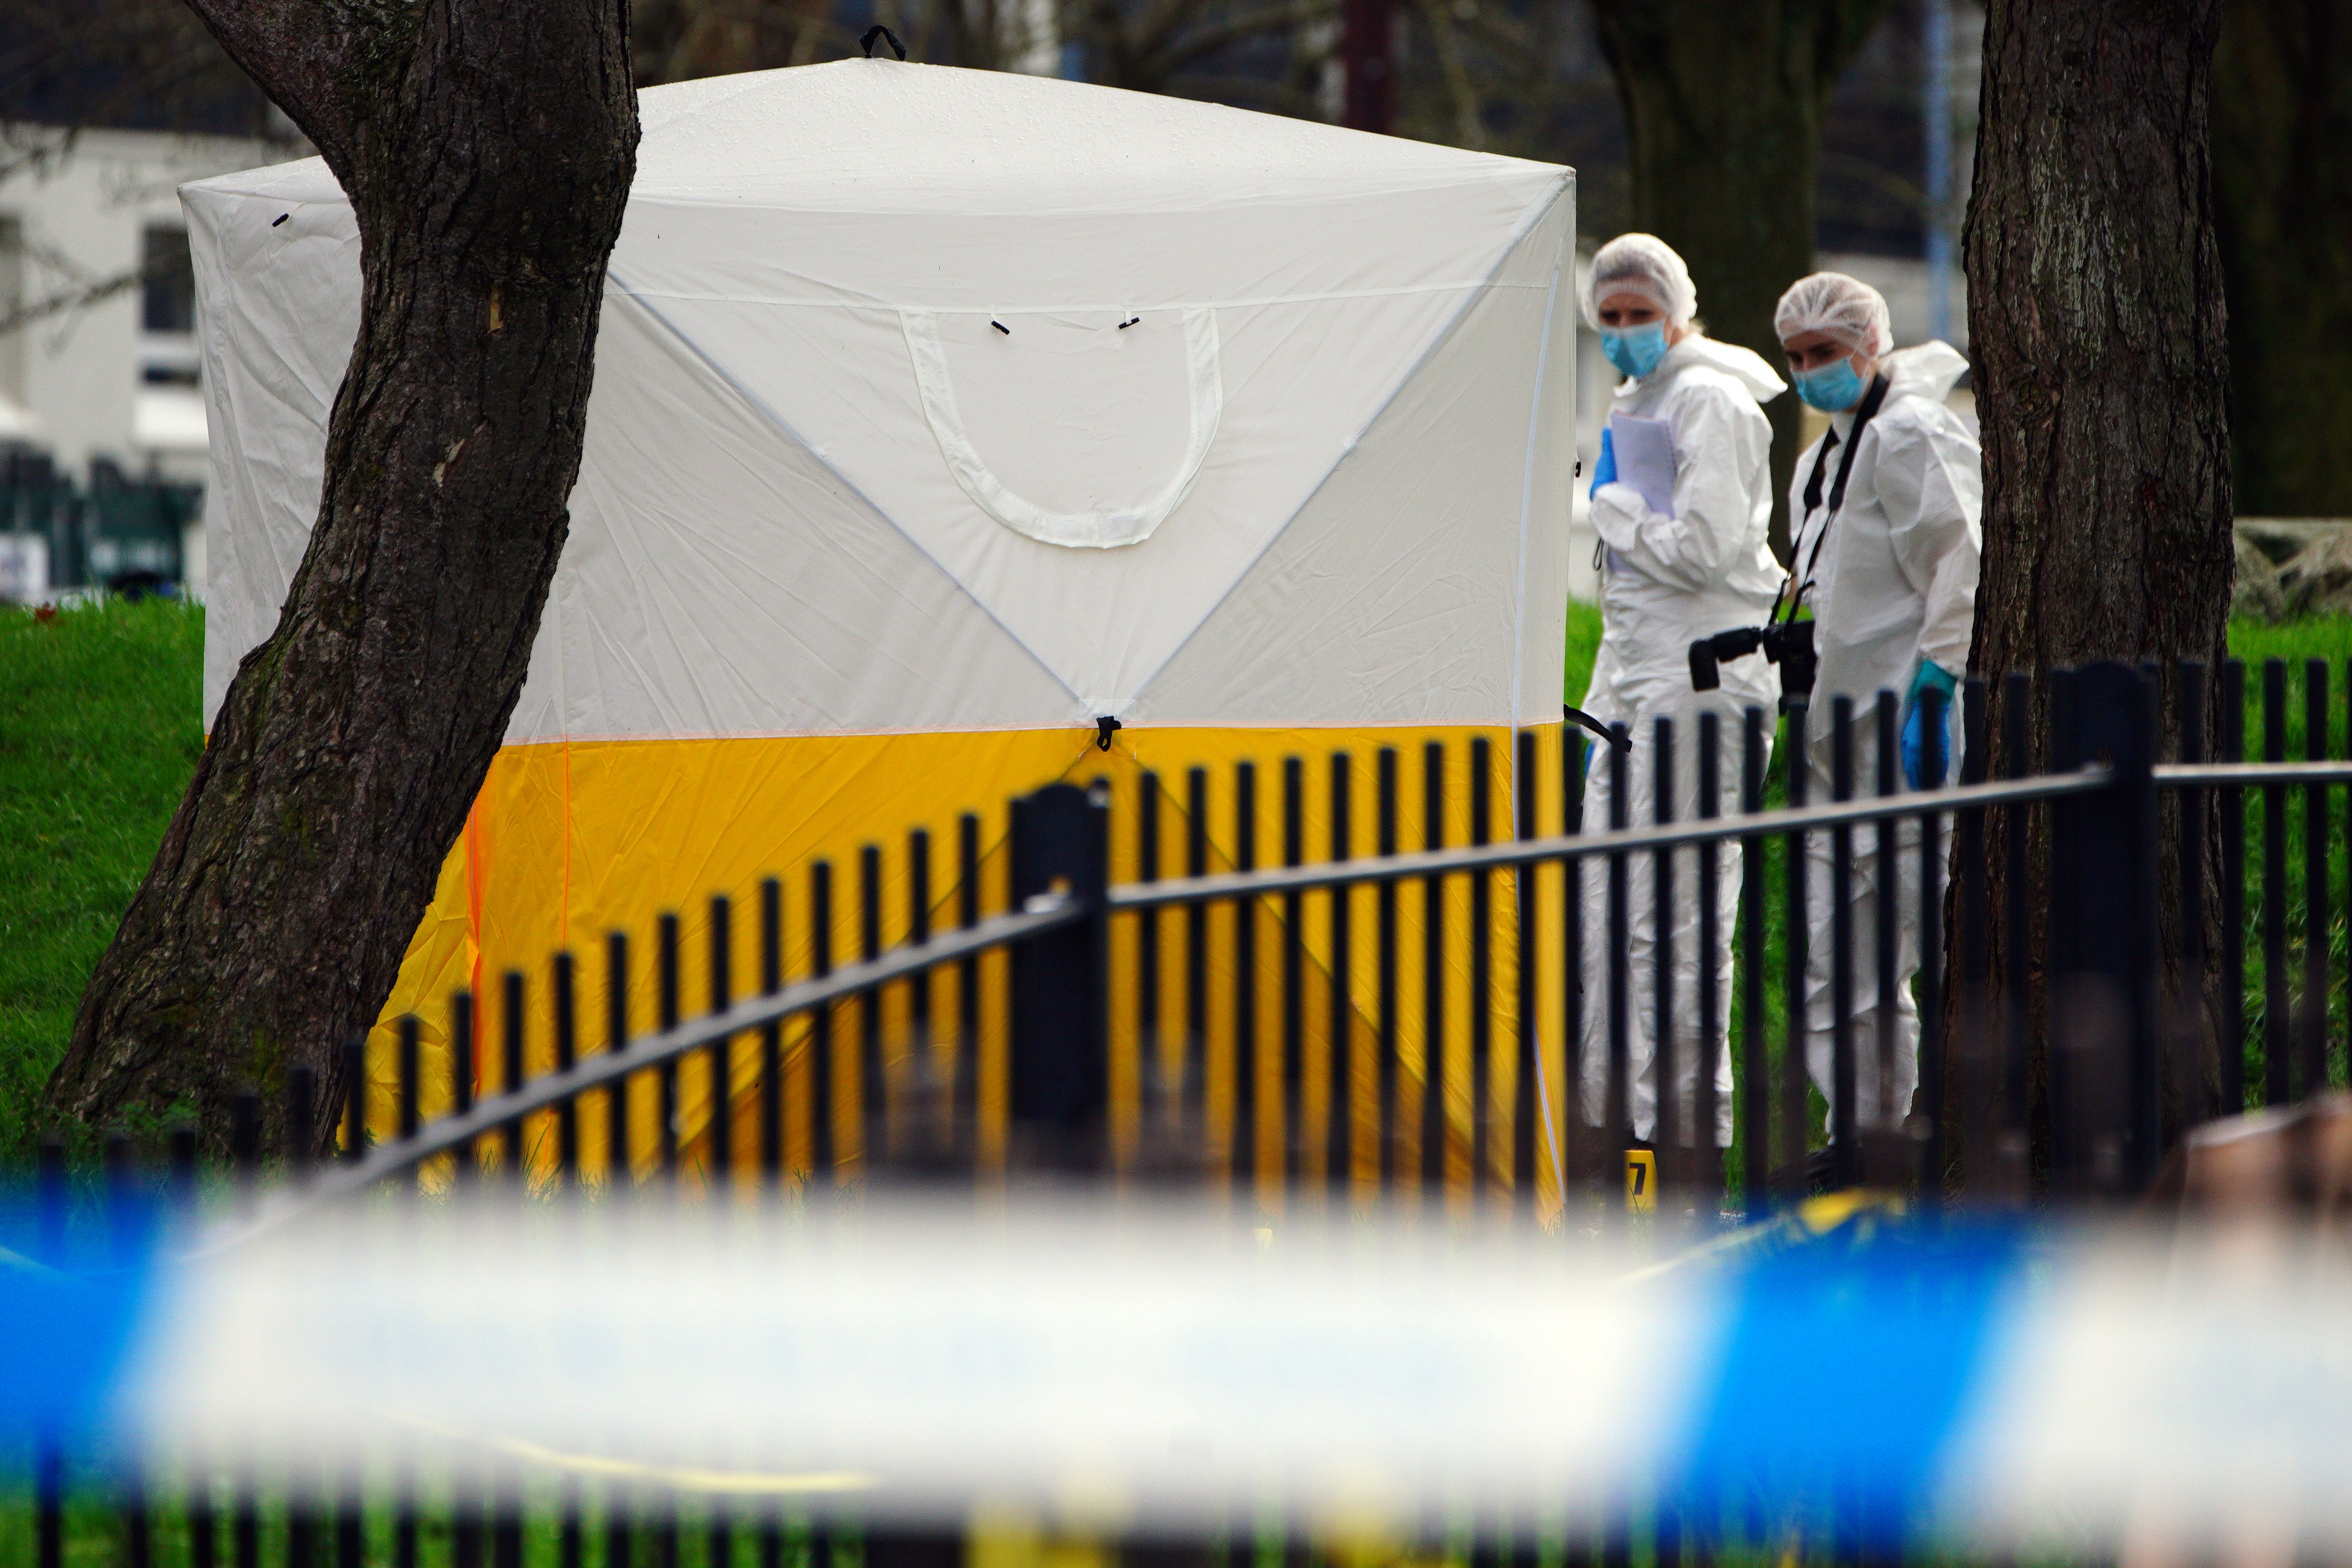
{"points": [[878, 31], [1105, 728]]}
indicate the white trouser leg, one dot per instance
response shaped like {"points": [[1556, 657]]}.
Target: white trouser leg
{"points": [[1863, 892], [1643, 932]]}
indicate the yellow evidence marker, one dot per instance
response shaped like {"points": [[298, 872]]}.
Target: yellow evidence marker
{"points": [[1641, 1179]]}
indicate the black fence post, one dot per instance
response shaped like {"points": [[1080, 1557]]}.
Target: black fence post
{"points": [[2230, 716], [2185, 1055], [302, 1499], [2063, 994], [2276, 1037], [1933, 1044], [202, 1538], [1979, 1049], [51, 1202], [2103, 1039], [131, 1226], [2144, 963], [1061, 841], [1755, 1065], [2311, 1014]]}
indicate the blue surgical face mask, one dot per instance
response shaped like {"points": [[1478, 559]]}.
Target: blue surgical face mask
{"points": [[1834, 388], [1636, 351]]}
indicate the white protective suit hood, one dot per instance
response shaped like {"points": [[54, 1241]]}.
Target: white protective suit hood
{"points": [[1746, 366], [1669, 581], [1930, 371]]}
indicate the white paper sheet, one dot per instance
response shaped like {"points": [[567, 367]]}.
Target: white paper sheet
{"points": [[1644, 451]]}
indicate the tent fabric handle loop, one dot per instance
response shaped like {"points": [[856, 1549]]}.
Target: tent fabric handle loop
{"points": [[878, 31], [1104, 530]]}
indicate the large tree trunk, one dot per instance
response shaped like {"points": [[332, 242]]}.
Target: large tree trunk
{"points": [[1724, 107], [488, 148], [2283, 171], [2095, 310]]}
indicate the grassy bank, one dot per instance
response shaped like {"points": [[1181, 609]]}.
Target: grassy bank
{"points": [[99, 731]]}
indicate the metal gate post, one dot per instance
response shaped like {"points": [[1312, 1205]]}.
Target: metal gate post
{"points": [[1060, 1071], [2144, 1062], [2102, 1012]]}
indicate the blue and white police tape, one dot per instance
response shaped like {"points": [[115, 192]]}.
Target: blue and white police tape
{"points": [[1976, 1380]]}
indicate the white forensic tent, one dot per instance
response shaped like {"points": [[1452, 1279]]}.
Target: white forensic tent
{"points": [[938, 416]]}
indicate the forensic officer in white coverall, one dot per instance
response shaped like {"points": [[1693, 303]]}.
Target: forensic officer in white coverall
{"points": [[1885, 511], [1701, 565]]}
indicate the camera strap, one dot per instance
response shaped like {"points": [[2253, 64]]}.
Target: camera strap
{"points": [[1863, 412]]}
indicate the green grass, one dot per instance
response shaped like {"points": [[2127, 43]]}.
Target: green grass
{"points": [[1583, 644], [100, 732], [2328, 636]]}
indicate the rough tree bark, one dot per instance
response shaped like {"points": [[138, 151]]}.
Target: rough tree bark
{"points": [[488, 148], [2283, 172], [1724, 107], [2096, 314]]}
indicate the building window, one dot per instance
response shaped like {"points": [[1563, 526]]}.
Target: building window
{"points": [[167, 282]]}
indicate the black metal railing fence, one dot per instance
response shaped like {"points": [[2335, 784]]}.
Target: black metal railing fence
{"points": [[1212, 985], [2077, 843]]}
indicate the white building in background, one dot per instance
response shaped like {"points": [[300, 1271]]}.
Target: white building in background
{"points": [[93, 218]]}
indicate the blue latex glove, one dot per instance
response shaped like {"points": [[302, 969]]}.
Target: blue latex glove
{"points": [[1922, 769], [1605, 467]]}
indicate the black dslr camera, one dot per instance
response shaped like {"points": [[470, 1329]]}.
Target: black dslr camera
{"points": [[1788, 644]]}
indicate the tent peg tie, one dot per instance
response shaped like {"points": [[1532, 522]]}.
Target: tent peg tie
{"points": [[1105, 727], [878, 31], [1001, 327]]}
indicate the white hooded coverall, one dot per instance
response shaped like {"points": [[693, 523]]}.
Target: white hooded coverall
{"points": [[1894, 582], [1667, 582]]}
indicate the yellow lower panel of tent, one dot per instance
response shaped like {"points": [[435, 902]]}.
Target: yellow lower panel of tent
{"points": [[569, 841]]}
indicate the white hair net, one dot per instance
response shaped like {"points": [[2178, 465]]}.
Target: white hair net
{"points": [[1641, 264], [1845, 308]]}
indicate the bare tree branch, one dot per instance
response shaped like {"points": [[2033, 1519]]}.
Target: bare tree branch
{"points": [[1469, 122], [1200, 43], [66, 300]]}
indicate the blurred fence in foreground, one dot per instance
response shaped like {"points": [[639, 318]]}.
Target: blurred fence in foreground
{"points": [[895, 1379]]}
